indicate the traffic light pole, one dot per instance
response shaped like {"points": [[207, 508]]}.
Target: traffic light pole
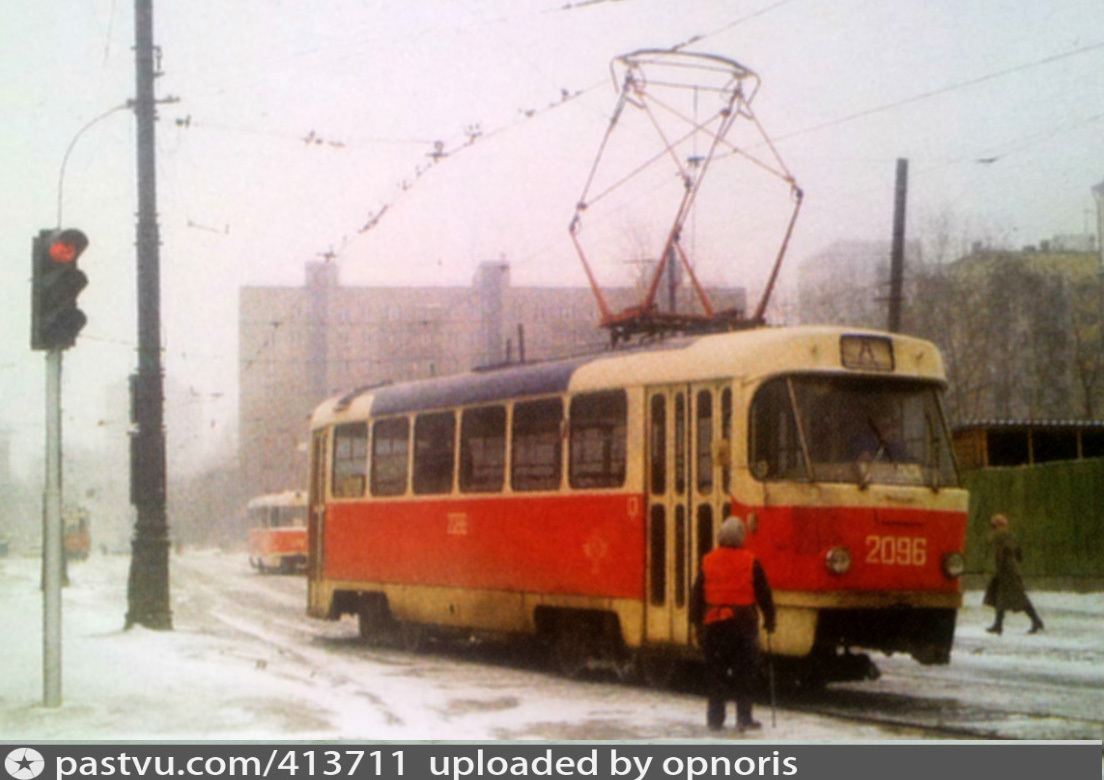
{"points": [[148, 584], [52, 552], [56, 281]]}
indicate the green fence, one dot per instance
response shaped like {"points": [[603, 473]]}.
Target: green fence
{"points": [[1055, 510]]}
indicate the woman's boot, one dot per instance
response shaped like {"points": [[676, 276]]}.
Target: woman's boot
{"points": [[998, 623]]}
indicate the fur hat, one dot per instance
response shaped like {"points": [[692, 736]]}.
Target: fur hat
{"points": [[731, 533]]}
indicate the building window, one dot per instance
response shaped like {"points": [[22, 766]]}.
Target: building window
{"points": [[390, 443], [598, 440], [483, 450], [536, 453], [434, 444], [350, 460]]}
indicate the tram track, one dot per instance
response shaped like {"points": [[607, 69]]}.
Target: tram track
{"points": [[966, 701], [935, 731], [959, 721], [973, 700]]}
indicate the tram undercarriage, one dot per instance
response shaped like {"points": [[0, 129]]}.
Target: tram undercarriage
{"points": [[578, 642]]}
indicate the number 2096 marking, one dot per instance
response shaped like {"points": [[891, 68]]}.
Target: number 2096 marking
{"points": [[896, 550]]}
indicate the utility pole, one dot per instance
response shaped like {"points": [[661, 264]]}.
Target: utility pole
{"points": [[897, 253], [1098, 194], [148, 584]]}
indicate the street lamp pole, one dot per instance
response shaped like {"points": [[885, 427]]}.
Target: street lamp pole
{"points": [[148, 584]]}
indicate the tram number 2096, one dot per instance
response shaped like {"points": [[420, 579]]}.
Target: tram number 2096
{"points": [[896, 550]]}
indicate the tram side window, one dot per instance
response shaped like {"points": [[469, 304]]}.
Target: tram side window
{"points": [[680, 444], [390, 443], [434, 448], [657, 547], [705, 531], [657, 445], [536, 454], [726, 436], [598, 429], [704, 442], [350, 460], [483, 450], [681, 561]]}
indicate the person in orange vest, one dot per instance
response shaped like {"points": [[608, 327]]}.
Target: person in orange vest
{"points": [[728, 594]]}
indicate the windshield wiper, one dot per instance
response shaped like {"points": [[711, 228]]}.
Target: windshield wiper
{"points": [[800, 430], [884, 447], [935, 443]]}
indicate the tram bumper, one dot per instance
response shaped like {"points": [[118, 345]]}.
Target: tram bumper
{"points": [[925, 633], [919, 624]]}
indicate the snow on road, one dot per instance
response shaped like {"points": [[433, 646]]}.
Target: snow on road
{"points": [[244, 663]]}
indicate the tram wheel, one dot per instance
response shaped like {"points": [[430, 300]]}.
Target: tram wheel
{"points": [[412, 637], [374, 620], [570, 655], [657, 670]]}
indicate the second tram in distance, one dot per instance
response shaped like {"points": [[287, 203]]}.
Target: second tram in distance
{"points": [[573, 500], [278, 532]]}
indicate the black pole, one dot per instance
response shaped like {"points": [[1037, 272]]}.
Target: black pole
{"points": [[897, 253], [148, 584]]}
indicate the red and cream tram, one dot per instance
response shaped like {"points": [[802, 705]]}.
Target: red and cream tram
{"points": [[572, 500], [278, 531]]}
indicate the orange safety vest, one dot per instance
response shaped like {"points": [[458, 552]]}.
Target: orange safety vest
{"points": [[728, 582]]}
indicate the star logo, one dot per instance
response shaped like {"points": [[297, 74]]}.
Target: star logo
{"points": [[24, 763]]}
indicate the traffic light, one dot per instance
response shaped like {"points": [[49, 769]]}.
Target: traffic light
{"points": [[55, 284]]}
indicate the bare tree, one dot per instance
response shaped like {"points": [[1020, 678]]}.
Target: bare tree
{"points": [[1021, 332], [1087, 334], [1018, 336]]}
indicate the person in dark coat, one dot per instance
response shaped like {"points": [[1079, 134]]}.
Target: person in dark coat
{"points": [[728, 594], [1006, 589]]}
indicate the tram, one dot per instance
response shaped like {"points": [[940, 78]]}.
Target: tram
{"points": [[572, 501], [278, 532], [76, 534]]}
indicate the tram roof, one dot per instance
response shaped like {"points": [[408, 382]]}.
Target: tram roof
{"points": [[753, 352]]}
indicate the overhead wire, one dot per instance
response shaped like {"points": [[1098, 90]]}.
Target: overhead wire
{"points": [[441, 152], [942, 90], [748, 17], [475, 133]]}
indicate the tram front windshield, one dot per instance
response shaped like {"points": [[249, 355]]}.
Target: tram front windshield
{"points": [[860, 430], [279, 516]]}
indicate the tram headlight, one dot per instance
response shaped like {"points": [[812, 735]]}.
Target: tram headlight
{"points": [[838, 560], [954, 564]]}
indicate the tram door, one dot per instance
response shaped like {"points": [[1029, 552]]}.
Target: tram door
{"points": [[316, 503], [689, 431]]}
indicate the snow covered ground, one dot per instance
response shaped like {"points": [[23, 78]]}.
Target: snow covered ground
{"points": [[244, 663]]}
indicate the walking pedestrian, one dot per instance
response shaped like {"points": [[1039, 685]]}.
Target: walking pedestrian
{"points": [[1005, 591], [728, 595]]}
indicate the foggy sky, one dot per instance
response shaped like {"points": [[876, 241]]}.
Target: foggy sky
{"points": [[297, 123]]}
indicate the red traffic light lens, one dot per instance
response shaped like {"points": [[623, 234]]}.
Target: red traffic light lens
{"points": [[62, 252]]}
